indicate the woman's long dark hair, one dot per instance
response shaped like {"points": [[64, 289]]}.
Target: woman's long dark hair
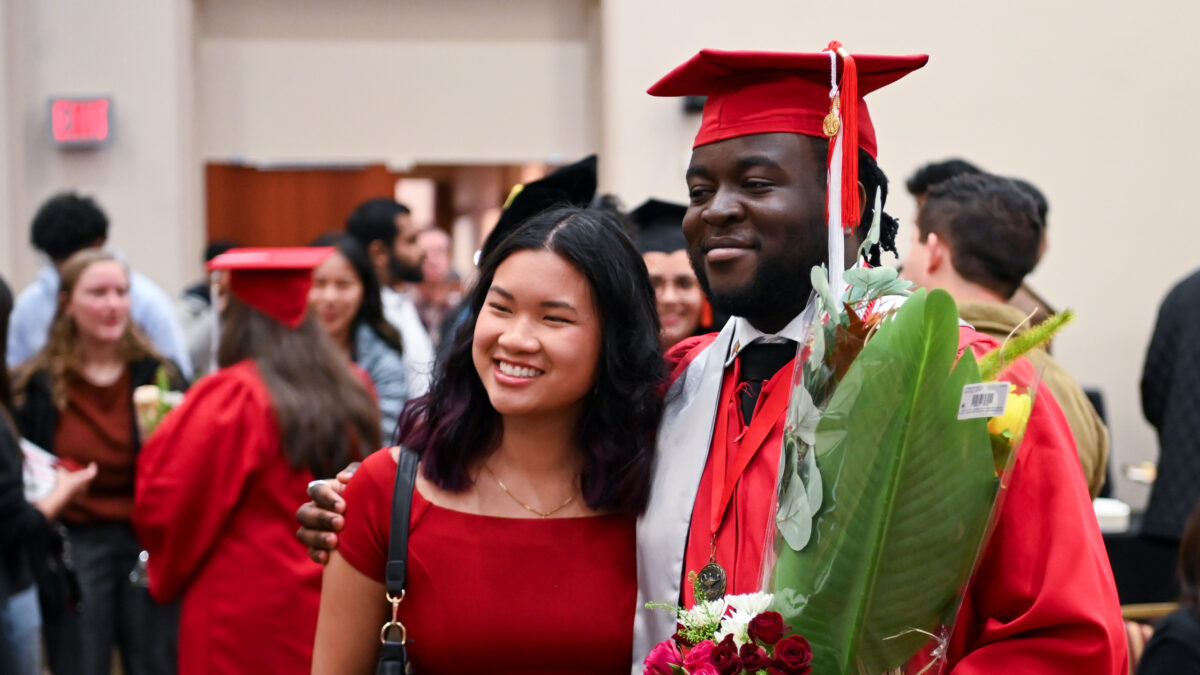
{"points": [[326, 416], [370, 311], [454, 426], [6, 396]]}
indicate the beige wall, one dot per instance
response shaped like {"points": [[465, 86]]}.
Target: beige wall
{"points": [[1091, 104], [146, 179], [467, 81]]}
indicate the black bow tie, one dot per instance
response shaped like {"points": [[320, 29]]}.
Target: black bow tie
{"points": [[759, 362]]}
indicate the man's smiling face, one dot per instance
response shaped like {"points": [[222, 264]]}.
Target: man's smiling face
{"points": [[756, 223]]}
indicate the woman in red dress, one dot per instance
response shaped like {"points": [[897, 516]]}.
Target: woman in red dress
{"points": [[535, 443], [225, 470]]}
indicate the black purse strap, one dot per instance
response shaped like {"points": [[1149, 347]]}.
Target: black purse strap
{"points": [[406, 480], [393, 655]]}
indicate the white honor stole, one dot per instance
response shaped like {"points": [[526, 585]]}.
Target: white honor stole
{"points": [[683, 442]]}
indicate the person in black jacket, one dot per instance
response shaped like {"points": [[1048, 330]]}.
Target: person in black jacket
{"points": [[75, 400], [25, 531], [1170, 401]]}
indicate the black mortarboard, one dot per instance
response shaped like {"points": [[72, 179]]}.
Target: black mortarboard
{"points": [[659, 226], [573, 185]]}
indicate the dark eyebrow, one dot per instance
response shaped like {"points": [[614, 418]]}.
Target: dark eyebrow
{"points": [[558, 304], [696, 171], [555, 304], [753, 161]]}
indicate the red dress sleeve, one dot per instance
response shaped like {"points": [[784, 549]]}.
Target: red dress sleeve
{"points": [[1042, 599], [193, 469], [364, 540]]}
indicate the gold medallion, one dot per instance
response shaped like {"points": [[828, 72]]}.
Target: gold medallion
{"points": [[832, 123], [711, 581]]}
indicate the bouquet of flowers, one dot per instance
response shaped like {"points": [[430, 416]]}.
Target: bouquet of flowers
{"points": [[896, 453], [152, 402], [730, 636]]}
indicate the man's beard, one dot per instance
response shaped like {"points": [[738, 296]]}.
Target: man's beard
{"points": [[776, 286], [404, 273]]}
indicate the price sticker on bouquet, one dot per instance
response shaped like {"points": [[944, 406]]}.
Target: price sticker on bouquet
{"points": [[983, 399]]}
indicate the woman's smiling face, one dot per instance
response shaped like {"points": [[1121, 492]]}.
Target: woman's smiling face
{"points": [[538, 337]]}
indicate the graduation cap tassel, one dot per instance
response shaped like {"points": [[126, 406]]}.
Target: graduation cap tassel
{"points": [[835, 131], [848, 93]]}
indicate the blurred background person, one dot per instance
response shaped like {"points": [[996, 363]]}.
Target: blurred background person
{"points": [[74, 398], [345, 300], [67, 223], [683, 311], [1171, 403], [977, 236], [25, 532], [384, 227], [440, 291], [227, 468], [195, 313], [1174, 648], [1025, 298]]}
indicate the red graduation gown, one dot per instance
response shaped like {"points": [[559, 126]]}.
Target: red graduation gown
{"points": [[215, 507], [1042, 600]]}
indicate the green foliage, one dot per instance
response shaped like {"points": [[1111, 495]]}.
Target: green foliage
{"points": [[907, 493], [993, 362]]}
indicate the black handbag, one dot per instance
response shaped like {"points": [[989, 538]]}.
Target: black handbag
{"points": [[393, 656]]}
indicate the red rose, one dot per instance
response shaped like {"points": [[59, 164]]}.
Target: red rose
{"points": [[660, 659], [725, 657], [766, 628], [753, 657], [793, 655], [703, 669], [698, 655]]}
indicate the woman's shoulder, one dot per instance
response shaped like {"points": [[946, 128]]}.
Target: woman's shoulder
{"points": [[240, 382], [370, 347]]}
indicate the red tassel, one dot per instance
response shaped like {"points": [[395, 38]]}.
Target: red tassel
{"points": [[848, 93]]}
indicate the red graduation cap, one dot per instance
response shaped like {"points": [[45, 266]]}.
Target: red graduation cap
{"points": [[818, 94], [275, 281]]}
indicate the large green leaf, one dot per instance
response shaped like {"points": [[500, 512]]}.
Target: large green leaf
{"points": [[908, 490]]}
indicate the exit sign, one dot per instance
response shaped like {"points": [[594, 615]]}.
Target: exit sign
{"points": [[80, 122]]}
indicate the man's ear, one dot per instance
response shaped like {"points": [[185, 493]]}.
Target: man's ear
{"points": [[377, 251], [939, 253]]}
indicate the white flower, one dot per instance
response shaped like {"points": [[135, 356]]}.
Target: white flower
{"points": [[735, 624], [752, 604], [703, 614]]}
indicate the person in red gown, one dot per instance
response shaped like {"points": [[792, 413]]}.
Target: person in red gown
{"points": [[225, 469], [535, 445], [1043, 597]]}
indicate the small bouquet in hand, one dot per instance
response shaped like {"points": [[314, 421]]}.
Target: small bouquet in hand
{"points": [[729, 636], [152, 402]]}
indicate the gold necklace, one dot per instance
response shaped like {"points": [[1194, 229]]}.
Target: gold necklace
{"points": [[543, 514]]}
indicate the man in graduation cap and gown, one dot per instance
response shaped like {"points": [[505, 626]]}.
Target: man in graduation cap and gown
{"points": [[775, 189]]}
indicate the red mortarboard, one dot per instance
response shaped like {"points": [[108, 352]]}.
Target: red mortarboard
{"points": [[766, 92], [275, 281]]}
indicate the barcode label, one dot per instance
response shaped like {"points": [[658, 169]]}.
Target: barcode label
{"points": [[984, 399]]}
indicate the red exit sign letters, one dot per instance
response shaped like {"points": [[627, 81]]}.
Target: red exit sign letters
{"points": [[80, 121]]}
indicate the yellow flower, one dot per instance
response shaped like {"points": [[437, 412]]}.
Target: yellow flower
{"points": [[1011, 425]]}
